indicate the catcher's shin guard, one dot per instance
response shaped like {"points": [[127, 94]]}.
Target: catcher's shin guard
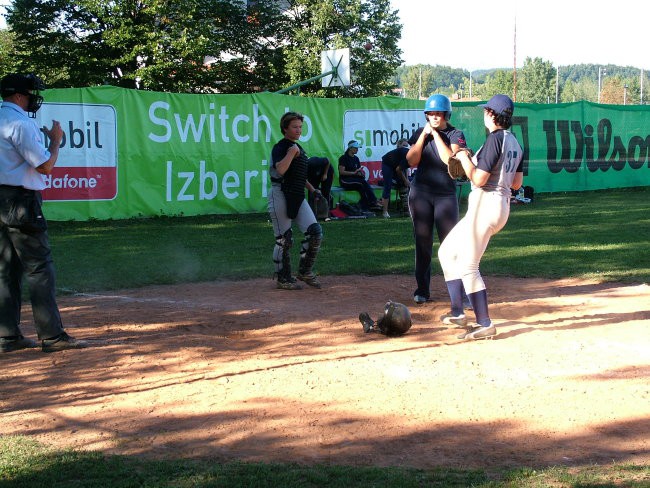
{"points": [[282, 256], [310, 248]]}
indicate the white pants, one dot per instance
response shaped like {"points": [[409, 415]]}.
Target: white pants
{"points": [[461, 251], [277, 206]]}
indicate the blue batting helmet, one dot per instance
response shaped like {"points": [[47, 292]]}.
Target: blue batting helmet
{"points": [[438, 103]]}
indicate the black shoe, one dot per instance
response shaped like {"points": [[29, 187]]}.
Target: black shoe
{"points": [[290, 284], [420, 299], [61, 342], [16, 344], [310, 278]]}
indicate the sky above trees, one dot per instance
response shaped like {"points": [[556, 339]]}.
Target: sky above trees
{"points": [[476, 34]]}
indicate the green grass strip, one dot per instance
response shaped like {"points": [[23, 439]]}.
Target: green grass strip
{"points": [[601, 235]]}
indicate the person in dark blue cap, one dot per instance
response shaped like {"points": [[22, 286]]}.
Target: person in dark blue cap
{"points": [[493, 171]]}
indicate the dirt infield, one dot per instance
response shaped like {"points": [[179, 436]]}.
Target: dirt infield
{"points": [[244, 371]]}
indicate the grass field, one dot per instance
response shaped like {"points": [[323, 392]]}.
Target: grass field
{"points": [[596, 235], [600, 235], [24, 463]]}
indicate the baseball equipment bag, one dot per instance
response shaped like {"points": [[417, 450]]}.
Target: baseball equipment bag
{"points": [[455, 167], [396, 320], [319, 206], [338, 213]]}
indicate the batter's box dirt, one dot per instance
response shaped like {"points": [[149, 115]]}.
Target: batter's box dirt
{"points": [[241, 370]]}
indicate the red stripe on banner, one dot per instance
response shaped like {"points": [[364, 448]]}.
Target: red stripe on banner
{"points": [[373, 174], [84, 183]]}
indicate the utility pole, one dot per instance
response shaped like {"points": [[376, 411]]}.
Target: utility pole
{"points": [[470, 85], [601, 72], [514, 72]]}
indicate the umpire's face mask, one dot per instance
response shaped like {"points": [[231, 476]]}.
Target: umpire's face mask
{"points": [[34, 103], [35, 98]]}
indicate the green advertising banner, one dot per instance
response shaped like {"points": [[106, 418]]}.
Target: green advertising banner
{"points": [[129, 153]]}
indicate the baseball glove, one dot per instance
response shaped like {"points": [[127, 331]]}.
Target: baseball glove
{"points": [[455, 167]]}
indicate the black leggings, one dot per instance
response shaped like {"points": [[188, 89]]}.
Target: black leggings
{"points": [[429, 210], [315, 175], [358, 183]]}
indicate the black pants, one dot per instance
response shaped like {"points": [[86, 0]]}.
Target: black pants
{"points": [[315, 177], [429, 210], [25, 253], [358, 183]]}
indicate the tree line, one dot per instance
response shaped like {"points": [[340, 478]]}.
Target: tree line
{"points": [[538, 81], [201, 46]]}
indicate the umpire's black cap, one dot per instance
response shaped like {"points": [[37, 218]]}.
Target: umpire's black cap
{"points": [[17, 83]]}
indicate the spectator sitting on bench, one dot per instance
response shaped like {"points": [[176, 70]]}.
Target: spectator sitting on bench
{"points": [[351, 177], [321, 175], [394, 166]]}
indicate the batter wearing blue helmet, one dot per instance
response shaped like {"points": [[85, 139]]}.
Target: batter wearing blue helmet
{"points": [[432, 198]]}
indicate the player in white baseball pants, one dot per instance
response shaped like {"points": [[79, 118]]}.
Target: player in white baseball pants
{"points": [[494, 170]]}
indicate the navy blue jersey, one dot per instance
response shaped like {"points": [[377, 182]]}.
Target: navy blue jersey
{"points": [[349, 163], [431, 175], [396, 158], [280, 150], [502, 157], [296, 175]]}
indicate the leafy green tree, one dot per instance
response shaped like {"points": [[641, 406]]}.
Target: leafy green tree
{"points": [[574, 91], [229, 46], [160, 44], [370, 29], [612, 90], [423, 80], [500, 81], [7, 59], [418, 81], [209, 46], [536, 81]]}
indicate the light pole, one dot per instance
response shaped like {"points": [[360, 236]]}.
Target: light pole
{"points": [[601, 72], [557, 83], [641, 96], [470, 85], [625, 94]]}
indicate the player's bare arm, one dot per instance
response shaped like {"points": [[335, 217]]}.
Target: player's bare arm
{"points": [[403, 177], [415, 151], [518, 181], [283, 165], [444, 151]]}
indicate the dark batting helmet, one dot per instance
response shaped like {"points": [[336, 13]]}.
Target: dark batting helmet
{"points": [[396, 319]]}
